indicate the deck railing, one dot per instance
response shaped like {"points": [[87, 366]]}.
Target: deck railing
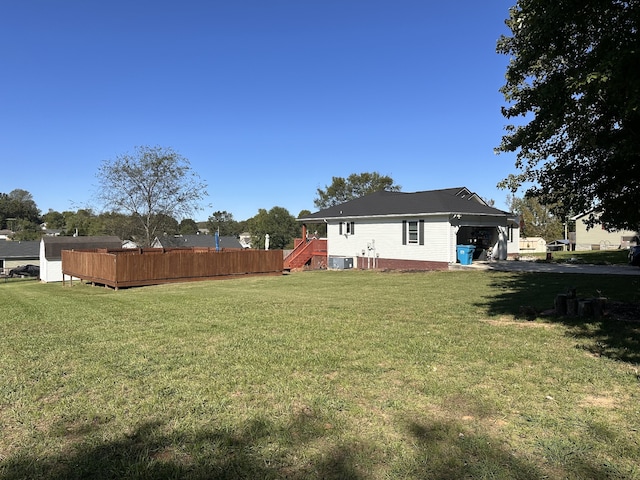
{"points": [[305, 250], [150, 266]]}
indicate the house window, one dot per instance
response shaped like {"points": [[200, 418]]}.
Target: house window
{"points": [[347, 228], [413, 232]]}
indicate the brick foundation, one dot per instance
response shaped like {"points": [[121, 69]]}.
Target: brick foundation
{"points": [[395, 264]]}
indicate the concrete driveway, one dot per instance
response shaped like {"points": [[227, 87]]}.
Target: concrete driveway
{"points": [[526, 266]]}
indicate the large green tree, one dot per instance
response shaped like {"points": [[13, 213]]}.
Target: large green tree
{"points": [[278, 223], [118, 224], [54, 219], [18, 210], [354, 186], [82, 222], [224, 223], [536, 219], [188, 226], [150, 184], [573, 97]]}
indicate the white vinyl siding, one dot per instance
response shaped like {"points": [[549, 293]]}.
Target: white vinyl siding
{"points": [[385, 236]]}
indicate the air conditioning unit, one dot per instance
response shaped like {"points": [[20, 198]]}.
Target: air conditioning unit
{"points": [[340, 263]]}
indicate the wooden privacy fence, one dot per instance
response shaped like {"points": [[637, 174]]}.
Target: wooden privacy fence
{"points": [[152, 266]]}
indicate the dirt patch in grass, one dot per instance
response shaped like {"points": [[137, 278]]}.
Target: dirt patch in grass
{"points": [[170, 454], [599, 401], [508, 321]]}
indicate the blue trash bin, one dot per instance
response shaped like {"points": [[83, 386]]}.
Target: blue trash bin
{"points": [[465, 254]]}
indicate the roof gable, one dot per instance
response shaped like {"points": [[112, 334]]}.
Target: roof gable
{"points": [[383, 203]]}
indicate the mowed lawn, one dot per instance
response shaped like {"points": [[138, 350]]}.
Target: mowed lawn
{"points": [[319, 375]]}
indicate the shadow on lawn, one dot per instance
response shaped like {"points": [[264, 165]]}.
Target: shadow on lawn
{"points": [[531, 295], [154, 452], [264, 450], [447, 453]]}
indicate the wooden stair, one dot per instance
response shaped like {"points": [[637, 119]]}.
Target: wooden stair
{"points": [[304, 251]]}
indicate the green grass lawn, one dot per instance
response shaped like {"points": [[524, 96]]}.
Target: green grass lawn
{"points": [[318, 375], [593, 257]]}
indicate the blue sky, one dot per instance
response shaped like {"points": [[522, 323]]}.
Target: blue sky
{"points": [[268, 99]]}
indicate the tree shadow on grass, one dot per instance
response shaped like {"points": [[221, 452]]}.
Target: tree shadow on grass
{"points": [[154, 452], [256, 450], [528, 296], [447, 453], [261, 449]]}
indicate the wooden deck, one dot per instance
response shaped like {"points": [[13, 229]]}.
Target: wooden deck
{"points": [[152, 266]]}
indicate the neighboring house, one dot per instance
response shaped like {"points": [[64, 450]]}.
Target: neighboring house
{"points": [[209, 241], [532, 245], [13, 254], [245, 240], [6, 234], [418, 230], [597, 237], [51, 252], [50, 231], [129, 244]]}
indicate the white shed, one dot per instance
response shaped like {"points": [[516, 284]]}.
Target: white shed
{"points": [[51, 252]]}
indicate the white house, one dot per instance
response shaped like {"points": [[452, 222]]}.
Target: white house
{"points": [[418, 230], [51, 252], [599, 238]]}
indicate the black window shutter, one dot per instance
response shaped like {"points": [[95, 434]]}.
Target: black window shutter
{"points": [[421, 232], [353, 228], [404, 232], [340, 233]]}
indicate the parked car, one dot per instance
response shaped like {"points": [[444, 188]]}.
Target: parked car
{"points": [[634, 256], [25, 271]]}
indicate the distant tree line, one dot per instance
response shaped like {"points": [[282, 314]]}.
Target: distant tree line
{"points": [[146, 191], [19, 213]]}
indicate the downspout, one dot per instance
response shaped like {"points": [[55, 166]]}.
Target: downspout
{"points": [[453, 235]]}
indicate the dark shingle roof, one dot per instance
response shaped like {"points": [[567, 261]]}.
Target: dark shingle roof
{"points": [[170, 241], [383, 203], [53, 246], [19, 250]]}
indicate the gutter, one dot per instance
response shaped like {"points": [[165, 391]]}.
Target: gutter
{"points": [[398, 215]]}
